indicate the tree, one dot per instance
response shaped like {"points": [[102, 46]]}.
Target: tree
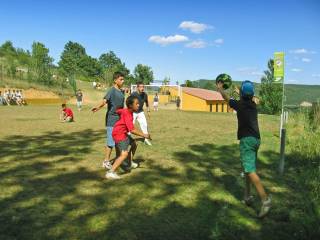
{"points": [[143, 73], [270, 92], [41, 63], [9, 53], [7, 49], [166, 81], [110, 63], [189, 83], [72, 59], [90, 67]]}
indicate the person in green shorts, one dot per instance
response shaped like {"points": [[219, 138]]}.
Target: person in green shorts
{"points": [[249, 136]]}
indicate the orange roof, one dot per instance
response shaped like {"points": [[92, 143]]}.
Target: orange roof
{"points": [[205, 94]]}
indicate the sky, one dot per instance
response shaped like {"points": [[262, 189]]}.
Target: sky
{"points": [[177, 39]]}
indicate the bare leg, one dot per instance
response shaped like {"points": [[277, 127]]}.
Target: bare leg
{"points": [[108, 151], [258, 185], [119, 160]]}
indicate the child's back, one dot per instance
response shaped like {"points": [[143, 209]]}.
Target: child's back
{"points": [[247, 115]]}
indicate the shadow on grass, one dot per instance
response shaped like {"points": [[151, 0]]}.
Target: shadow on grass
{"points": [[51, 192]]}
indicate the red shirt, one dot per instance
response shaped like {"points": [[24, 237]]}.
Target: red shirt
{"points": [[68, 112], [123, 126]]}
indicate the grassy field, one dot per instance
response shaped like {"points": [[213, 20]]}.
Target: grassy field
{"points": [[188, 185]]}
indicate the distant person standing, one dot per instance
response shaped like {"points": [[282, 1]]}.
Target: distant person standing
{"points": [[156, 102], [139, 115], [114, 99], [178, 102], [79, 97]]}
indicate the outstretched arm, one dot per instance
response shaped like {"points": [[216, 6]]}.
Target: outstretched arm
{"points": [[103, 103]]}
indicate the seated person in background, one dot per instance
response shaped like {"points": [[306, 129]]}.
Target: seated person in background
{"points": [[2, 101], [7, 97], [66, 114], [22, 100], [15, 97]]}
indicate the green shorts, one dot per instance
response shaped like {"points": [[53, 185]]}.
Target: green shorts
{"points": [[248, 153], [124, 145]]}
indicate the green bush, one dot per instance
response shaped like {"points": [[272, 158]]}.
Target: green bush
{"points": [[304, 159]]}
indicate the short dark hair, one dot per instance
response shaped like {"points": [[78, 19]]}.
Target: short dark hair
{"points": [[139, 83], [63, 105], [116, 75], [130, 101]]}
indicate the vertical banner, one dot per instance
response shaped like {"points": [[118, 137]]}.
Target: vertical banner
{"points": [[278, 67]]}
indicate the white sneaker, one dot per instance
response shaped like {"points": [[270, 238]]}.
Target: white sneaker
{"points": [[147, 142], [134, 165], [265, 208], [107, 164], [112, 175]]}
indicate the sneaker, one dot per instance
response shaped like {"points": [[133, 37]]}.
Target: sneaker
{"points": [[112, 175], [147, 142], [134, 165], [248, 201], [265, 208], [107, 164]]}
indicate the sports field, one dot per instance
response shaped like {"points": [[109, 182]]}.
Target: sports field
{"points": [[188, 185]]}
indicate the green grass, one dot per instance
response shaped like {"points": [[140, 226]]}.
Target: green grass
{"points": [[188, 185]]}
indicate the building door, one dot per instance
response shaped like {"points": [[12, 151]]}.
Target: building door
{"points": [[211, 107], [217, 107]]}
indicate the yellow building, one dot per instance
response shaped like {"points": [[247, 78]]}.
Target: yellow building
{"points": [[198, 99]]}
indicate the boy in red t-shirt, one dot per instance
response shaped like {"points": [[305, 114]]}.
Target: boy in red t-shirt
{"points": [[66, 114], [120, 132]]}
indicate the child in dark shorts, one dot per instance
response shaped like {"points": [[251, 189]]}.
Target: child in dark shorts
{"points": [[120, 132], [249, 136]]}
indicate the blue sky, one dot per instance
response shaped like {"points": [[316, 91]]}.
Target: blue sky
{"points": [[179, 39]]}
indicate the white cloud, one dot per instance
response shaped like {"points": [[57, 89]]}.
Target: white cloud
{"points": [[245, 69], [219, 41], [316, 75], [306, 60], [196, 44], [292, 81], [296, 70], [256, 73], [166, 40], [253, 71], [302, 51], [194, 26]]}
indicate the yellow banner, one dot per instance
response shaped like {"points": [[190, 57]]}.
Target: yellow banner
{"points": [[278, 67]]}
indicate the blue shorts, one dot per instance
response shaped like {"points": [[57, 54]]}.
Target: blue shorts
{"points": [[109, 139]]}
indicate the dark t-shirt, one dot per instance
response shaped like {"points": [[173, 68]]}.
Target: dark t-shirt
{"points": [[79, 96], [115, 99], [247, 115], [143, 98], [156, 99]]}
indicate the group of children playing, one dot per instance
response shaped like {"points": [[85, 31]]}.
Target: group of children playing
{"points": [[120, 128], [120, 125], [12, 97]]}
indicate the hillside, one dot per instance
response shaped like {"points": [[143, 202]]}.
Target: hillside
{"points": [[295, 93]]}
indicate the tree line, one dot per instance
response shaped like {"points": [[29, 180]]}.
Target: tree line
{"points": [[37, 65]]}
